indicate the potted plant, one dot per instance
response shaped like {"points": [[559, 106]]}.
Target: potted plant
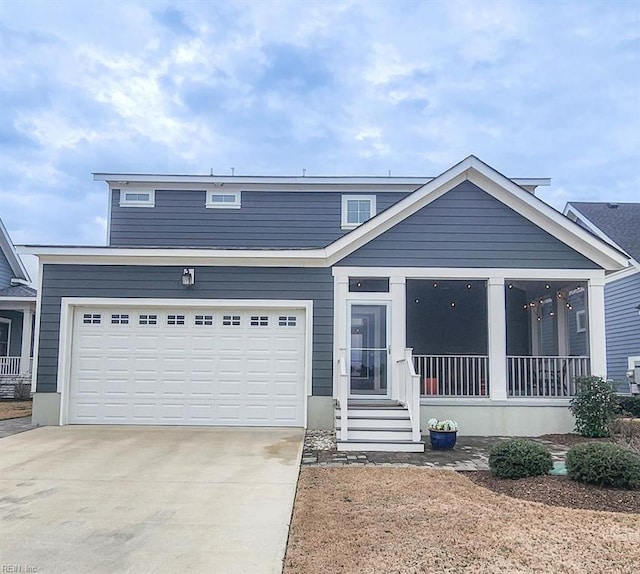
{"points": [[443, 434]]}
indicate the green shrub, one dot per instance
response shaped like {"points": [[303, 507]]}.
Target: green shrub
{"points": [[593, 406], [517, 458], [629, 406], [605, 464]]}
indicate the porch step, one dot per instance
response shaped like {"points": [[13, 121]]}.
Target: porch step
{"points": [[374, 425], [379, 434], [358, 445], [376, 422]]}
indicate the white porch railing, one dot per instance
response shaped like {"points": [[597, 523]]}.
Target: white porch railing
{"points": [[343, 393], [544, 376], [409, 392], [453, 375], [10, 366]]}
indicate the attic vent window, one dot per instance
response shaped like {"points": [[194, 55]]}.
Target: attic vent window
{"points": [[223, 199], [137, 198], [356, 209]]}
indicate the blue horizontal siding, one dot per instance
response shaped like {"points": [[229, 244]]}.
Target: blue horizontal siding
{"points": [[164, 282], [265, 219], [467, 227], [622, 321], [6, 272]]}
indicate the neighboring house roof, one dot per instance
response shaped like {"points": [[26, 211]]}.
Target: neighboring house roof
{"points": [[470, 169], [18, 292], [6, 245], [619, 223]]}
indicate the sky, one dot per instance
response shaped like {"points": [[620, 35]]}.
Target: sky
{"points": [[533, 88]]}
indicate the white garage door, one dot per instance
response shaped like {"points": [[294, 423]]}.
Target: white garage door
{"points": [[182, 366]]}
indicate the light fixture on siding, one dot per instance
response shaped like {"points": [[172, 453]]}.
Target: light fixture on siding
{"points": [[188, 278]]}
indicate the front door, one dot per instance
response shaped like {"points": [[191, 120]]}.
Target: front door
{"points": [[369, 350]]}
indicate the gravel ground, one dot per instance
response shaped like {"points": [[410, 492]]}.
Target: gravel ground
{"points": [[370, 520]]}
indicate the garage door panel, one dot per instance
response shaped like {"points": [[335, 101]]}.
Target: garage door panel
{"points": [[224, 367]]}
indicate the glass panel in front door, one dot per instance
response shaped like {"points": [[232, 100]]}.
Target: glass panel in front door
{"points": [[369, 350]]}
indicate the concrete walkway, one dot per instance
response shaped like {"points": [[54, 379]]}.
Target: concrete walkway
{"points": [[15, 426], [126, 499], [470, 453]]}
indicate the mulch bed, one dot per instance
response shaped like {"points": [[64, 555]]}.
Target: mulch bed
{"points": [[560, 490]]}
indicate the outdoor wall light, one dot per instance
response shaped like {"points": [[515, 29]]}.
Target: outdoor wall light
{"points": [[188, 278]]}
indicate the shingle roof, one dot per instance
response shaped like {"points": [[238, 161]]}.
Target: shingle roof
{"points": [[621, 223], [18, 291]]}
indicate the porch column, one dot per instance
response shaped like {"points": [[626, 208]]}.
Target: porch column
{"points": [[340, 322], [595, 313], [497, 339], [398, 329], [25, 354], [562, 331]]}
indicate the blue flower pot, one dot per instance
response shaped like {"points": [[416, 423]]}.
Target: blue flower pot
{"points": [[443, 440]]}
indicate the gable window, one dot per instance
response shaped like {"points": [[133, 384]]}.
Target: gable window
{"points": [[137, 198], [356, 209], [223, 199]]}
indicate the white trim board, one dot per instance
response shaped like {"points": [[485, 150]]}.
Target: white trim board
{"points": [[68, 305]]}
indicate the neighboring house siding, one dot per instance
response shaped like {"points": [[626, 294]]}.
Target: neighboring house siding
{"points": [[467, 227], [5, 271], [622, 326], [266, 219], [164, 282]]}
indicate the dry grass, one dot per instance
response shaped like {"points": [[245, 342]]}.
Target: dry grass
{"points": [[14, 409], [415, 520]]}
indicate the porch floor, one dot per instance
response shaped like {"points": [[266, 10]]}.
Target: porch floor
{"points": [[470, 453]]}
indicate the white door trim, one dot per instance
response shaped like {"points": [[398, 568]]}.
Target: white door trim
{"points": [[370, 301], [68, 305]]}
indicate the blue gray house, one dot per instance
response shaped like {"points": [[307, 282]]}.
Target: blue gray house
{"points": [[364, 304], [17, 315], [619, 224]]}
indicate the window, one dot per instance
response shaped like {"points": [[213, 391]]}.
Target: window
{"points": [[223, 199], [175, 319], [231, 320], [148, 320], [261, 321], [286, 321], [368, 284], [137, 198], [90, 319], [581, 321], [204, 320], [119, 319], [357, 209]]}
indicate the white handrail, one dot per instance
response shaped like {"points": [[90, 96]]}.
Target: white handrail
{"points": [[343, 394], [15, 366], [409, 392]]}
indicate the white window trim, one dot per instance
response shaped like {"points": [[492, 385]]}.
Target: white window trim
{"points": [[581, 321], [215, 205], [344, 224], [124, 202]]}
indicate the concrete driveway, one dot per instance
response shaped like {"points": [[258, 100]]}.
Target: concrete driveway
{"points": [[147, 499]]}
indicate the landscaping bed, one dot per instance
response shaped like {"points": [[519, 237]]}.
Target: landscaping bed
{"points": [[414, 520], [15, 409], [560, 491]]}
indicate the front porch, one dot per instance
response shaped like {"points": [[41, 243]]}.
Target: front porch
{"points": [[439, 344]]}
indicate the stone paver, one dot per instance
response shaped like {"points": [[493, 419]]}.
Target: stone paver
{"points": [[14, 426], [470, 453]]}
